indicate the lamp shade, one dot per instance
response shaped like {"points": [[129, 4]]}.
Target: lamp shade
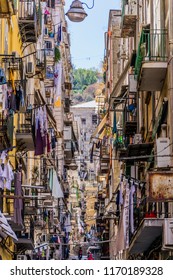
{"points": [[76, 13]]}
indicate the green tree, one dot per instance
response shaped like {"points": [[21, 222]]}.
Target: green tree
{"points": [[84, 77]]}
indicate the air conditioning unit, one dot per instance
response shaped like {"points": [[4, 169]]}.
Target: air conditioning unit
{"points": [[168, 232], [30, 68], [163, 152], [21, 258], [137, 139]]}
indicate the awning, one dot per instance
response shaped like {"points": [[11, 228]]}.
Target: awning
{"points": [[137, 152], [56, 191], [24, 244], [5, 228], [101, 135], [100, 127], [119, 83], [119, 99]]}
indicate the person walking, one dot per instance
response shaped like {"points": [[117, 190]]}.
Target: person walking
{"points": [[80, 253], [90, 256]]}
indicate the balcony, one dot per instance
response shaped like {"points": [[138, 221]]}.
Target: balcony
{"points": [[104, 160], [7, 8], [41, 62], [149, 230], [28, 21], [30, 210], [130, 117], [50, 56], [150, 212], [26, 240], [151, 60], [49, 76], [138, 152], [24, 137], [67, 103], [68, 153], [6, 131], [129, 17]]}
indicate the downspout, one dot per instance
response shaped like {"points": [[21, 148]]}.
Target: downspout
{"points": [[170, 73], [136, 42]]}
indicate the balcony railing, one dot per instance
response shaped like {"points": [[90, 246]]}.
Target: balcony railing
{"points": [[148, 220], [27, 10], [24, 136], [129, 16], [50, 56], [28, 20], [7, 8], [152, 47], [41, 59], [49, 73], [130, 117], [6, 129]]}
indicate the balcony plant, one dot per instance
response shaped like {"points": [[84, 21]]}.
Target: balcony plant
{"points": [[57, 54]]}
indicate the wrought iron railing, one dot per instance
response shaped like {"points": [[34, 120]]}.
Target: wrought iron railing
{"points": [[49, 52], [7, 127], [152, 47], [49, 73], [41, 59], [147, 210], [128, 7], [10, 128], [27, 10], [24, 128]]}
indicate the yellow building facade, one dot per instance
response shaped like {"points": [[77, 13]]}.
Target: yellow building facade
{"points": [[10, 42]]}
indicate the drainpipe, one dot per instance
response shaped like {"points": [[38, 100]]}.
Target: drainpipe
{"points": [[136, 42], [170, 73]]}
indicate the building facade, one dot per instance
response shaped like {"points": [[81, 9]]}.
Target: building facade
{"points": [[35, 84], [138, 91]]}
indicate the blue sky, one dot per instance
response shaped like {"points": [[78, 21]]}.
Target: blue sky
{"points": [[87, 37]]}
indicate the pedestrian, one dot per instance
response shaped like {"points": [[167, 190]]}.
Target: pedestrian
{"points": [[80, 253], [90, 256]]}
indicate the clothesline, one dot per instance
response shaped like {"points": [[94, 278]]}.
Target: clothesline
{"points": [[8, 149], [133, 179]]}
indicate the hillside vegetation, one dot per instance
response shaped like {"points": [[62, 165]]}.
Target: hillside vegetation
{"points": [[87, 83]]}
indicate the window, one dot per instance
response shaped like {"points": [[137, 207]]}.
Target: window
{"points": [[51, 4], [94, 119], [48, 44], [83, 121]]}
